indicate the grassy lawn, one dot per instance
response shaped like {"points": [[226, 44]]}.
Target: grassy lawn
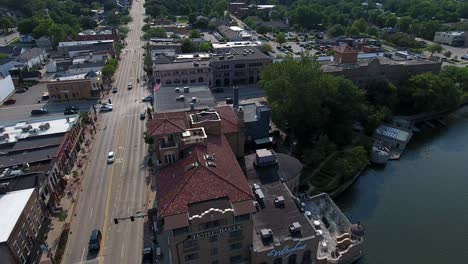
{"points": [[182, 19]]}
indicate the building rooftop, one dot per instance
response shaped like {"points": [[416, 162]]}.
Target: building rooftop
{"points": [[12, 205], [81, 43], [277, 216], [181, 65], [87, 65], [233, 44], [337, 235], [74, 77], [251, 111], [12, 132], [393, 132], [165, 99], [30, 54], [364, 61], [178, 122], [238, 53], [93, 32], [192, 179]]}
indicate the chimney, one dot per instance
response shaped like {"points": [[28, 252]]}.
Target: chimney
{"points": [[236, 98]]}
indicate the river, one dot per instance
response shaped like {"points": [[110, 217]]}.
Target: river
{"points": [[415, 210]]}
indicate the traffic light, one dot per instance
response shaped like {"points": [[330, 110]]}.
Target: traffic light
{"points": [[116, 221], [132, 218]]}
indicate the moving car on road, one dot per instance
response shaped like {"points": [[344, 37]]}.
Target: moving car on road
{"points": [[148, 98], [130, 86], [110, 157], [9, 101], [106, 107], [114, 90], [41, 111], [142, 116], [95, 240]]}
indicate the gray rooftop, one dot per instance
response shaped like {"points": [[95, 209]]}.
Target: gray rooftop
{"points": [[165, 98], [181, 65], [30, 54], [87, 65], [241, 53]]}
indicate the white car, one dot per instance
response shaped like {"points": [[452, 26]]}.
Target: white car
{"points": [[130, 86], [110, 157], [106, 107]]}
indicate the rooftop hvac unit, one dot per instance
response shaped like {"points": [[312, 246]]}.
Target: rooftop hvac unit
{"points": [[266, 233], [279, 201], [44, 126], [295, 228], [26, 128], [259, 194]]}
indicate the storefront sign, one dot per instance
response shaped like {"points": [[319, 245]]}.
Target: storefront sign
{"points": [[227, 229], [286, 251]]}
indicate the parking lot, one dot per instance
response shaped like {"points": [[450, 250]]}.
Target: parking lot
{"points": [[31, 99]]}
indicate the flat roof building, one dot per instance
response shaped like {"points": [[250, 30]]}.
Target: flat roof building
{"points": [[182, 73], [82, 86], [21, 226]]}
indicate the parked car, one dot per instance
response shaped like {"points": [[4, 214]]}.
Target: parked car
{"points": [[142, 116], [130, 86], [20, 90], [72, 107], [9, 101], [45, 96], [110, 157], [148, 98], [95, 240], [41, 111], [464, 57], [114, 90], [181, 98]]}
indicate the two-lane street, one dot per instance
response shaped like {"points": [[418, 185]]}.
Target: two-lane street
{"points": [[115, 190]]}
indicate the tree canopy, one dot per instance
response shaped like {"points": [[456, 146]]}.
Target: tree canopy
{"points": [[314, 103]]}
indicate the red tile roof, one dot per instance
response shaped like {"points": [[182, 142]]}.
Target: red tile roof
{"points": [[345, 49], [177, 186], [175, 122]]}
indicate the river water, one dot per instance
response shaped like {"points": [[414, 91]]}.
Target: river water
{"points": [[415, 210]]}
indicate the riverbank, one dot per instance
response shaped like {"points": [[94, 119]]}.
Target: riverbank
{"points": [[421, 197]]}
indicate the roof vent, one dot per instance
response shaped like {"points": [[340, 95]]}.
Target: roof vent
{"points": [[209, 157], [26, 128], [44, 126], [279, 201], [266, 233], [192, 165], [210, 164], [295, 228]]}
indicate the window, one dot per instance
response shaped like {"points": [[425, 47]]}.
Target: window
{"points": [[211, 224], [236, 246], [239, 66], [214, 238], [190, 244], [15, 245], [292, 259], [242, 218], [200, 79], [191, 257], [236, 259], [214, 251], [236, 233], [23, 259], [278, 261], [180, 231], [29, 220]]}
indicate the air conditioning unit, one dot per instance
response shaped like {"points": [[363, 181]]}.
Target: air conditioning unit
{"points": [[266, 233]]}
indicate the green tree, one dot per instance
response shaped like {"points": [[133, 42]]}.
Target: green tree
{"points": [[428, 92], [266, 48], [6, 23], [205, 47], [459, 75], [26, 26], [382, 93], [87, 22], [336, 31], [192, 18], [42, 28], [155, 33], [434, 48], [187, 46], [145, 27], [280, 38], [404, 24], [57, 34], [194, 34], [314, 103], [219, 7], [360, 25]]}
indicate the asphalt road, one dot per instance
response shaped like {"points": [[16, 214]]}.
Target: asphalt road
{"points": [[115, 190]]}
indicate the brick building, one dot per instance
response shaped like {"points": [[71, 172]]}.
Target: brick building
{"points": [[75, 87], [108, 34], [192, 72], [237, 67], [363, 70], [20, 226]]}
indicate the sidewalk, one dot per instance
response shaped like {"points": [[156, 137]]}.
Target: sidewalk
{"points": [[72, 192]]}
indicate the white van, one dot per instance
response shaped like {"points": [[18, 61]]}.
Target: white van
{"points": [[130, 86]]}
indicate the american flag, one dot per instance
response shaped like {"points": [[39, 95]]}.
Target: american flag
{"points": [[156, 87]]}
